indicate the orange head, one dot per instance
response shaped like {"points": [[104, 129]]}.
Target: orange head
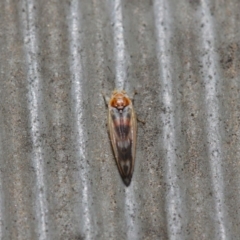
{"points": [[119, 100]]}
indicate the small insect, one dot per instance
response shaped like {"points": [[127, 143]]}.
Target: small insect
{"points": [[122, 126]]}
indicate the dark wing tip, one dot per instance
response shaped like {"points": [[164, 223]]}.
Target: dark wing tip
{"points": [[127, 180]]}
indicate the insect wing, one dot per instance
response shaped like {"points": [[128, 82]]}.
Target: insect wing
{"points": [[122, 130]]}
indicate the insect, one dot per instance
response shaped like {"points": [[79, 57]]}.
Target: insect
{"points": [[122, 126]]}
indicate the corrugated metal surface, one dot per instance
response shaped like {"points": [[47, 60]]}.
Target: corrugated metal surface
{"points": [[58, 176]]}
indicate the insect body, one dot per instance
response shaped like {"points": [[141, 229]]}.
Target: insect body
{"points": [[122, 130]]}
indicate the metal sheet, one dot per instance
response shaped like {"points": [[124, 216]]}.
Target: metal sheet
{"points": [[58, 176]]}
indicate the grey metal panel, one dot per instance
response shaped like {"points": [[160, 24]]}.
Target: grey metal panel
{"points": [[58, 177]]}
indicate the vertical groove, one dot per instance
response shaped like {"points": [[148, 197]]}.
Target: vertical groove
{"points": [[131, 214], [173, 201], [121, 57], [34, 101], [212, 83], [77, 93], [119, 44]]}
